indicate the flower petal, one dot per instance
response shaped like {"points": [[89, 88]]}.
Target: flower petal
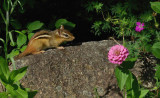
{"points": [[138, 23]]}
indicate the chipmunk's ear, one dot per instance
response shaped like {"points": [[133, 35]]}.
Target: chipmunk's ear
{"points": [[58, 32], [62, 27]]}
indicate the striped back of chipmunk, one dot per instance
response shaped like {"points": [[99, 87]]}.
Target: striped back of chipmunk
{"points": [[41, 34]]}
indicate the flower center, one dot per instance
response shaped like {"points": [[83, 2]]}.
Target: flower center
{"points": [[116, 52], [140, 26]]}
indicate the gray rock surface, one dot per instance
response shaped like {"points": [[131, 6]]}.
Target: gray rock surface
{"points": [[74, 72]]}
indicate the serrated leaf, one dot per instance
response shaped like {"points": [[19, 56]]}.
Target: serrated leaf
{"points": [[147, 16], [21, 40], [35, 25], [121, 75], [156, 50], [98, 6], [155, 6]]}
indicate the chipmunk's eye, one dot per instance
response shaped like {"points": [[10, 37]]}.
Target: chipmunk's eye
{"points": [[65, 35]]}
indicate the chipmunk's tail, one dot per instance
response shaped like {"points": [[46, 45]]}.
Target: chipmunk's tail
{"points": [[25, 53]]}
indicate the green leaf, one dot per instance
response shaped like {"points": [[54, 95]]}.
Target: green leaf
{"points": [[11, 38], [155, 6], [143, 93], [30, 35], [121, 75], [68, 25], [4, 70], [5, 7], [24, 31], [156, 50], [146, 16], [22, 39], [35, 25], [3, 95], [148, 47], [60, 22], [132, 86], [13, 53], [16, 91], [16, 75], [2, 15], [31, 94], [13, 44], [23, 48], [129, 63], [98, 6], [157, 74]]}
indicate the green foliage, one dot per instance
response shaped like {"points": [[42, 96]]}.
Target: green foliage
{"points": [[156, 49], [96, 26], [4, 70], [146, 16], [132, 86], [21, 40], [121, 75], [119, 9], [67, 24], [94, 5], [35, 25], [15, 23], [157, 74], [128, 81], [17, 75], [155, 6], [10, 80]]}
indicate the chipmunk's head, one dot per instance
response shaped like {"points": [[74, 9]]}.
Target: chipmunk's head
{"points": [[64, 34]]}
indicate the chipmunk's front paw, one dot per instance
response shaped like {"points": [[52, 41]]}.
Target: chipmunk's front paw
{"points": [[60, 47]]}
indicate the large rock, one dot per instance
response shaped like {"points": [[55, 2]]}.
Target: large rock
{"points": [[74, 72]]}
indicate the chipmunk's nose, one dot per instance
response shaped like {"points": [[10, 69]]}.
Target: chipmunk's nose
{"points": [[73, 37]]}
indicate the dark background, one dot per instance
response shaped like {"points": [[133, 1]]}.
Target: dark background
{"points": [[48, 11]]}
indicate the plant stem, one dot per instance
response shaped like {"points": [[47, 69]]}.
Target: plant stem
{"points": [[2, 16], [7, 32], [114, 40], [123, 40], [103, 15], [124, 93]]}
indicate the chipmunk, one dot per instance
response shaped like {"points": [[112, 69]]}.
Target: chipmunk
{"points": [[46, 39]]}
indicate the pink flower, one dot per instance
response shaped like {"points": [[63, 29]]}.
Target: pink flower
{"points": [[117, 54], [139, 26]]}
